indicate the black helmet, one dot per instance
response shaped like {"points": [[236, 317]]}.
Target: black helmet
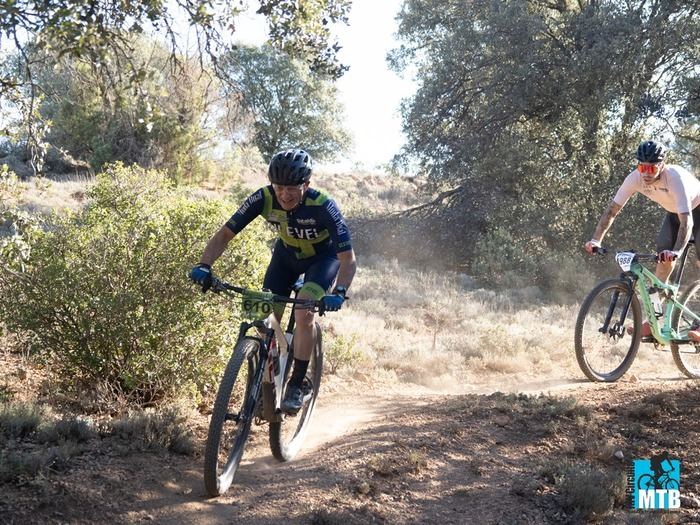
{"points": [[290, 168], [651, 152]]}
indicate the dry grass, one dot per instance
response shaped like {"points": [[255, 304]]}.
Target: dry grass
{"points": [[43, 196], [433, 329]]}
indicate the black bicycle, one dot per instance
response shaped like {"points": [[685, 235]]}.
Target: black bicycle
{"points": [[253, 383]]}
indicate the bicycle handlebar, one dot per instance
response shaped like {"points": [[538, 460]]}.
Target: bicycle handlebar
{"points": [[219, 286], [641, 257]]}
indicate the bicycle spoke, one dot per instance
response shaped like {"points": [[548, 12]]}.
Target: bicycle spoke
{"points": [[604, 347]]}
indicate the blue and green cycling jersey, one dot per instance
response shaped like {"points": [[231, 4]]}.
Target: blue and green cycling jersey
{"points": [[315, 227]]}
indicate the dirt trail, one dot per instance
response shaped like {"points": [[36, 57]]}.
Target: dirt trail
{"points": [[391, 453], [340, 423]]}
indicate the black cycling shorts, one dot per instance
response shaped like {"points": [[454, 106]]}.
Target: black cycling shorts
{"points": [[666, 239], [284, 270]]}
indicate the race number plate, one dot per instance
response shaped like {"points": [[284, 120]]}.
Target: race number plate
{"points": [[257, 305], [624, 259]]}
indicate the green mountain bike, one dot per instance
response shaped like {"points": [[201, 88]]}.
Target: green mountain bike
{"points": [[253, 383], [609, 324]]}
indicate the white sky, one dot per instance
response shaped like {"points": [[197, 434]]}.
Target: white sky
{"points": [[370, 92]]}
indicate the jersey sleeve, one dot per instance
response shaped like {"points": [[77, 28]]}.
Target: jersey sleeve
{"points": [[629, 187], [337, 227], [251, 208]]}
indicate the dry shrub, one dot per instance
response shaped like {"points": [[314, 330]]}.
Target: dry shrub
{"points": [[398, 461], [17, 466], [154, 430], [67, 429], [589, 491], [19, 420]]}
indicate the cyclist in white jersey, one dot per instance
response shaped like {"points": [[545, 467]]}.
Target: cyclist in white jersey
{"points": [[676, 190]]}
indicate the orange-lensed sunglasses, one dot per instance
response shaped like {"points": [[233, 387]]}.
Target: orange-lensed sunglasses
{"points": [[651, 169]]}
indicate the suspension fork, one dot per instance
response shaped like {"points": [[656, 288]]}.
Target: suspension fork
{"points": [[605, 329]]}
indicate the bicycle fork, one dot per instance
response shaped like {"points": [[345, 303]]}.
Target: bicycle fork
{"points": [[617, 331]]}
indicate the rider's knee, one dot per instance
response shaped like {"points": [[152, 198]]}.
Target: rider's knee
{"points": [[303, 318]]}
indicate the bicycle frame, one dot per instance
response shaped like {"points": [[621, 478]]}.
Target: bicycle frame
{"points": [[274, 354], [646, 279]]}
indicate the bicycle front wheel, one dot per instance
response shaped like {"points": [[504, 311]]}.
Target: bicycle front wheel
{"points": [[286, 436], [687, 357], [234, 410], [605, 348]]}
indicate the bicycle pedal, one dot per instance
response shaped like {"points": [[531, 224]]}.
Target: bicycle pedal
{"points": [[290, 413], [648, 339]]}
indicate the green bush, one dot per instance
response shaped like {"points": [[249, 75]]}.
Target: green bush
{"points": [[502, 262], [105, 294], [340, 352], [17, 227]]}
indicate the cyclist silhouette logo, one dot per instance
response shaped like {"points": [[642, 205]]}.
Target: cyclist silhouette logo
{"points": [[655, 483], [663, 468]]}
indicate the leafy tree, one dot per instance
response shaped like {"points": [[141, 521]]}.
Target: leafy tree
{"points": [[533, 109], [96, 28], [289, 104], [97, 114], [100, 31]]}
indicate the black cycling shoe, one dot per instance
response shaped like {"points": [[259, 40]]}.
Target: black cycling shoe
{"points": [[293, 399], [296, 396]]}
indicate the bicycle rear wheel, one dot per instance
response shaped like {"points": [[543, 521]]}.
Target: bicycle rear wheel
{"points": [[687, 357], [604, 348], [287, 435], [231, 418]]}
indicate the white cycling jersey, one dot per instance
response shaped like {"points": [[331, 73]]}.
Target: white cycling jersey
{"points": [[677, 190]]}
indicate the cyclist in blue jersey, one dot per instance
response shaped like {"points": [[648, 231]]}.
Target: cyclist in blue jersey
{"points": [[314, 240]]}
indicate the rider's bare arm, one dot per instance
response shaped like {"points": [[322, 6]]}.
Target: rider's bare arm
{"points": [[606, 220], [216, 245], [348, 265], [685, 230]]}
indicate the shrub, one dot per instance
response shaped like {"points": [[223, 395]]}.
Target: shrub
{"points": [[504, 261], [501, 261], [105, 293], [18, 420], [17, 228], [340, 352], [166, 429], [589, 491], [67, 429], [20, 466]]}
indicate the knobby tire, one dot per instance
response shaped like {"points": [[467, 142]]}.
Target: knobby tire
{"points": [[584, 354], [216, 482], [685, 356], [283, 448]]}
